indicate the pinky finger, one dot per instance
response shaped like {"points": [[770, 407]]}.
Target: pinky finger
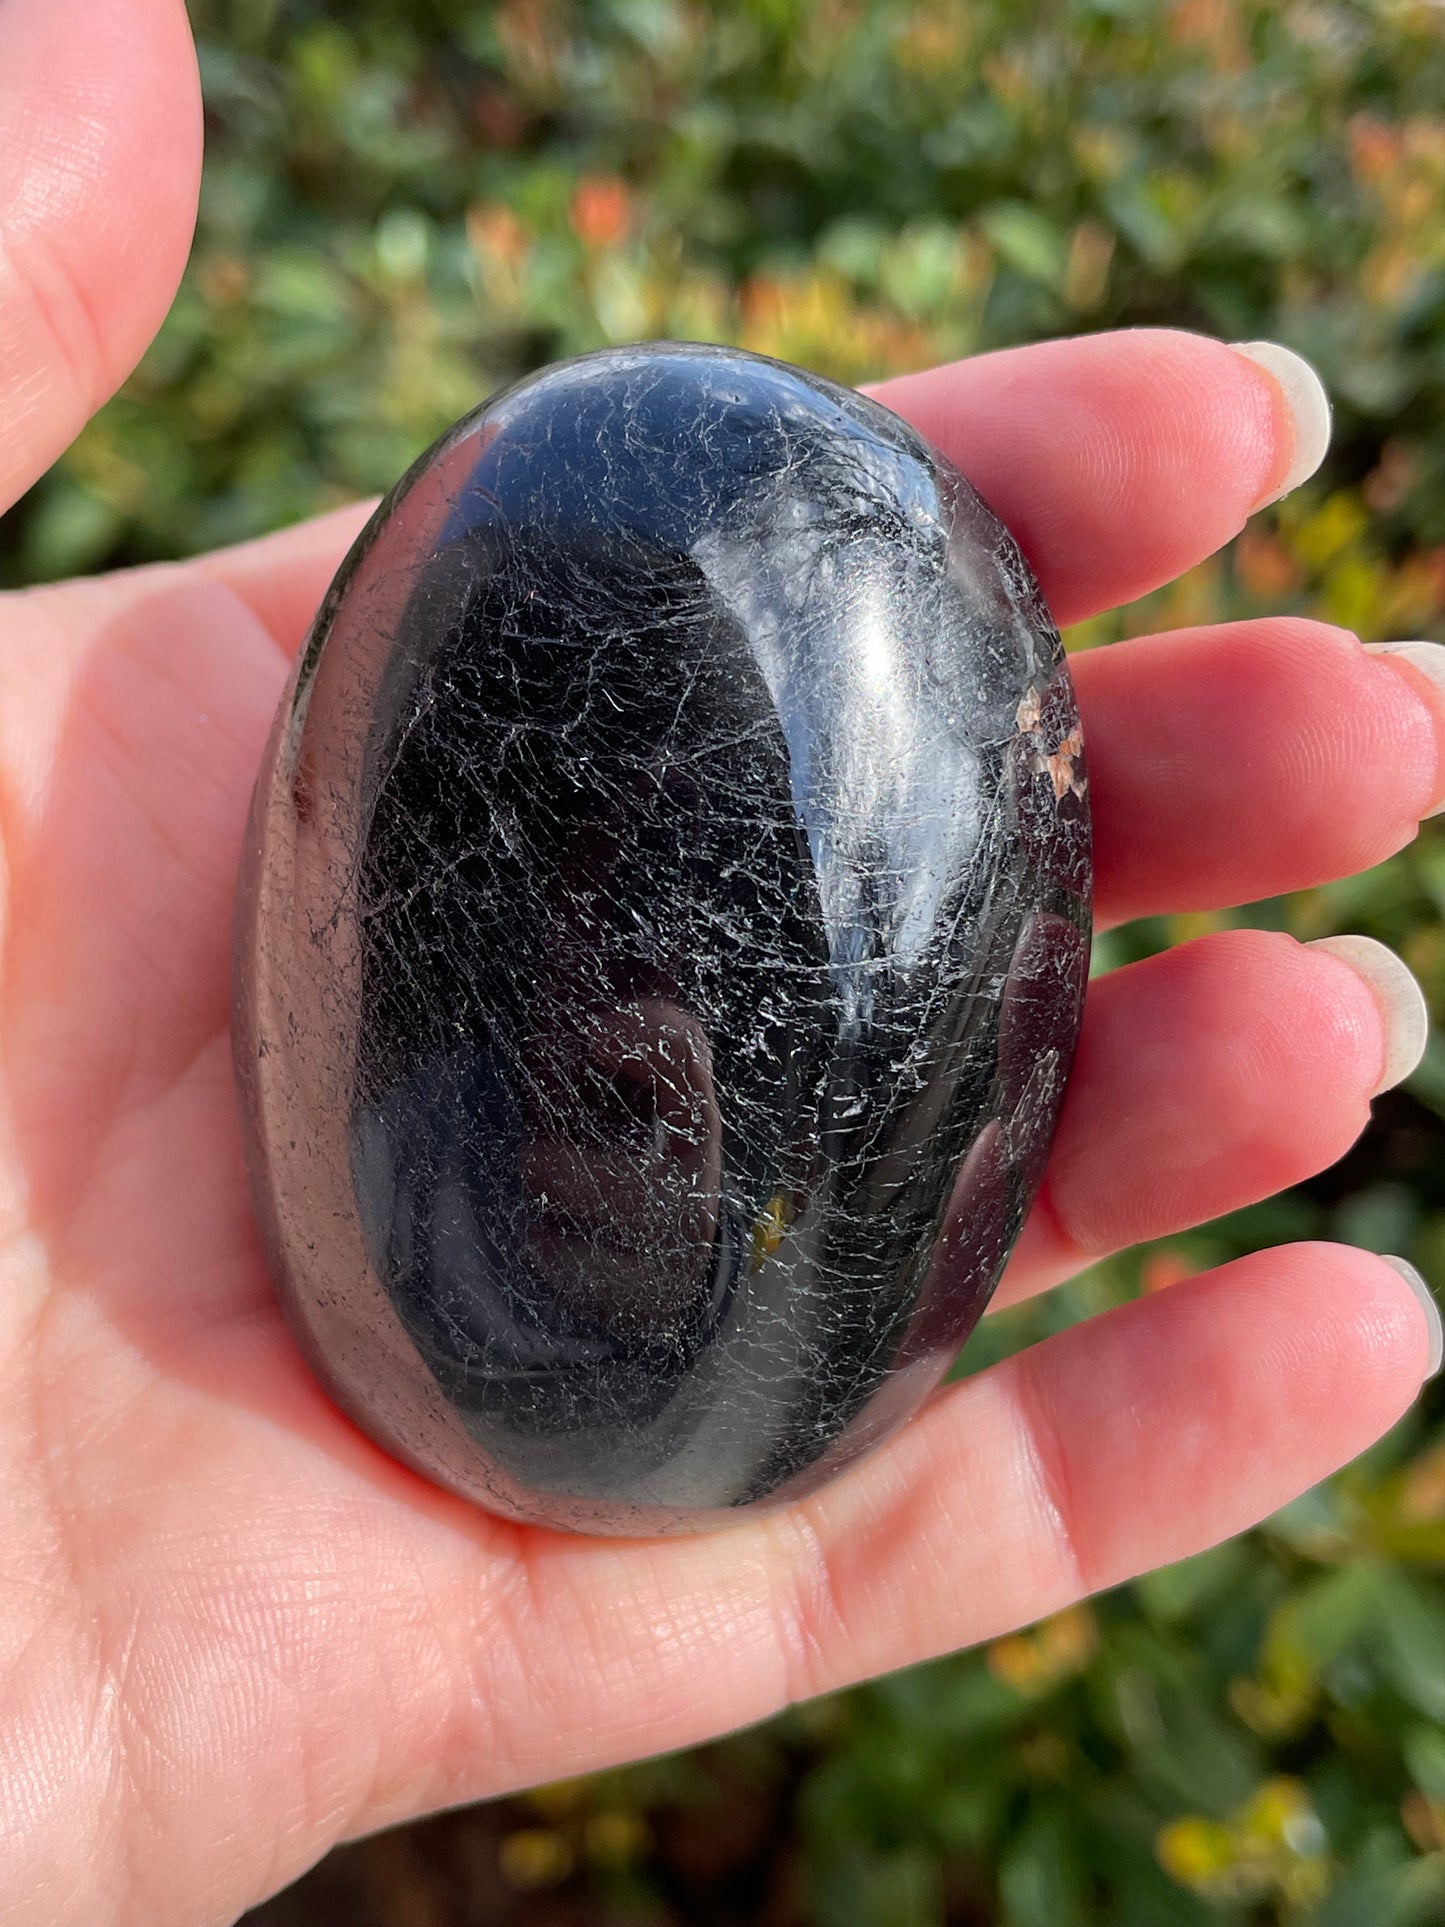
{"points": [[1142, 1436], [1138, 1438]]}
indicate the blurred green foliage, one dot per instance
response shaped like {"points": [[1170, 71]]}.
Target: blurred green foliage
{"points": [[408, 202]]}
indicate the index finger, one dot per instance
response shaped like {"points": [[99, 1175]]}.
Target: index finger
{"points": [[1119, 460]]}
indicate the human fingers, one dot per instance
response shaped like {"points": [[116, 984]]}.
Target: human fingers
{"points": [[1119, 460], [1242, 760], [100, 154], [1136, 1439], [1209, 1077], [1227, 763], [282, 577]]}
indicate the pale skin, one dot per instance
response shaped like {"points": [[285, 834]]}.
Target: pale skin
{"points": [[233, 1632]]}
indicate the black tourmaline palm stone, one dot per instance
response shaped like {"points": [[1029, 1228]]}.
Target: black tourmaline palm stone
{"points": [[661, 941]]}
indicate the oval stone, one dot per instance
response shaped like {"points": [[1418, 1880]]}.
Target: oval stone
{"points": [[661, 941]]}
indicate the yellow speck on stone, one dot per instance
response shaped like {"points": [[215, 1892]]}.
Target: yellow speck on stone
{"points": [[768, 1230]]}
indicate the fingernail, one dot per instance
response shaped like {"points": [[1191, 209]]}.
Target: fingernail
{"points": [[1400, 998], [1429, 659], [1428, 1305], [1308, 404]]}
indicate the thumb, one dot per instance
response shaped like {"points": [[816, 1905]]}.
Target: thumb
{"points": [[100, 153]]}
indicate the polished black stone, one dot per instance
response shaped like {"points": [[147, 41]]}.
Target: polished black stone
{"points": [[661, 941]]}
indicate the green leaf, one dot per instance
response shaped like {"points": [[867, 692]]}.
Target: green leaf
{"points": [[1027, 241], [899, 1889], [1412, 1640], [1386, 1887], [1042, 1881], [1424, 1750]]}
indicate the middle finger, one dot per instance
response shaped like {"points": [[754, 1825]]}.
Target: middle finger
{"points": [[1207, 1078], [1241, 760]]}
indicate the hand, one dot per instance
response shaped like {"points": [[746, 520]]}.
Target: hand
{"points": [[231, 1630]]}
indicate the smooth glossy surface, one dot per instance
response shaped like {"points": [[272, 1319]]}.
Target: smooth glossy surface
{"points": [[661, 941]]}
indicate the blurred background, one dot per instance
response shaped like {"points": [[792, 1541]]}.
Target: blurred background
{"points": [[408, 202]]}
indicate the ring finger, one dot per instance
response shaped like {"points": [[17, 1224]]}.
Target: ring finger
{"points": [[1209, 1077]]}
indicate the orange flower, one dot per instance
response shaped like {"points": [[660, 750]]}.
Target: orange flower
{"points": [[1162, 1270], [1215, 26], [1374, 147], [493, 229], [1264, 566], [601, 210]]}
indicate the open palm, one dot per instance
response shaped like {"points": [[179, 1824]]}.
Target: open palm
{"points": [[231, 1630]]}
